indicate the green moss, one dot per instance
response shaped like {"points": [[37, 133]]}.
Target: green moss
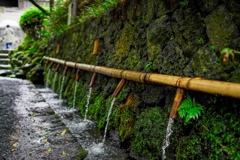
{"points": [[123, 42], [214, 136], [57, 116], [83, 154], [127, 121], [149, 132], [51, 112], [98, 110]]}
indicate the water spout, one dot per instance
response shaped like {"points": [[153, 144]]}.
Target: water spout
{"points": [[74, 98], [88, 98], [61, 90], [109, 113], [54, 80], [46, 85], [166, 141]]}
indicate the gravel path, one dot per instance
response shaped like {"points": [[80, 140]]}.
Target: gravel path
{"points": [[29, 128]]}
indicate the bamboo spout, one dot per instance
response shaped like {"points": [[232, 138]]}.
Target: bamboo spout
{"points": [[93, 79], [77, 75], [177, 102], [119, 87], [65, 70], [51, 64], [57, 68]]}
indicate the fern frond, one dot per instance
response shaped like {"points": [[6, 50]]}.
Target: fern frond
{"points": [[184, 107]]}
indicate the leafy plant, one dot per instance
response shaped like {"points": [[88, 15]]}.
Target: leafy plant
{"points": [[200, 41], [190, 109], [148, 66], [184, 3]]}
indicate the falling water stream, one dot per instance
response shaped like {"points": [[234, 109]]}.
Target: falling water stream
{"points": [[166, 141], [74, 97], [54, 79], [61, 90], [46, 85], [88, 98], [109, 113]]}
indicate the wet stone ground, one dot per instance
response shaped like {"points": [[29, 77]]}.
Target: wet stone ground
{"points": [[29, 128]]}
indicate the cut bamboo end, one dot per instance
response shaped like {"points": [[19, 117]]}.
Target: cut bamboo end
{"points": [[93, 79], [58, 48], [65, 70], [119, 87], [57, 68], [96, 45], [177, 102]]}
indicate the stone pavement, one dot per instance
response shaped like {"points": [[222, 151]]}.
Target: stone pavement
{"points": [[29, 128]]}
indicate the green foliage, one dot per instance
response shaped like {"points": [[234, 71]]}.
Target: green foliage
{"points": [[148, 67], [189, 109], [212, 47], [214, 136], [97, 9], [57, 22], [200, 41], [184, 3], [31, 22]]}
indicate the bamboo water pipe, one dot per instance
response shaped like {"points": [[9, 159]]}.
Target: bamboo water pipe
{"points": [[202, 85]]}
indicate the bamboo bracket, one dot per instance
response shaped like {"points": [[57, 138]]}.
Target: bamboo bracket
{"points": [[119, 87], [177, 102], [94, 76]]}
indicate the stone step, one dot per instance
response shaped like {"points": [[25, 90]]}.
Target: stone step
{"points": [[3, 55], [5, 66], [5, 72], [4, 61]]}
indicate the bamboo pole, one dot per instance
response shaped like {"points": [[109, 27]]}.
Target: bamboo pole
{"points": [[195, 84]]}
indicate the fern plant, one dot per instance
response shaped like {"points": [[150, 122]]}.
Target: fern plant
{"points": [[190, 109]]}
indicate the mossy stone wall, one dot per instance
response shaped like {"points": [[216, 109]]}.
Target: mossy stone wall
{"points": [[170, 38]]}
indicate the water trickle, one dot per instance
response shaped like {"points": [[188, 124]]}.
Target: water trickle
{"points": [[166, 141], [46, 85], [54, 79], [109, 113], [61, 90], [88, 98], [74, 98]]}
